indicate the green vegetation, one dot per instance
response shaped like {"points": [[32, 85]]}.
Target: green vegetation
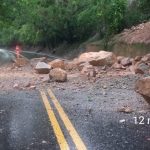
{"points": [[52, 22], [137, 12]]}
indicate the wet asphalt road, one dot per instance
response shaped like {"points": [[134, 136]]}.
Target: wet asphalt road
{"points": [[24, 123]]}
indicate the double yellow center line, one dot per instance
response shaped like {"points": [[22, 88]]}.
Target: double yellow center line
{"points": [[56, 127]]}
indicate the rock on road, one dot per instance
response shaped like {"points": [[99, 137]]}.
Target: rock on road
{"points": [[25, 125]]}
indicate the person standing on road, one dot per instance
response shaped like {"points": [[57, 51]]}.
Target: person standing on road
{"points": [[18, 50]]}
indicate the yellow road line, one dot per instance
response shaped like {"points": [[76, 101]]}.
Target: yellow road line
{"points": [[69, 126], [57, 130]]}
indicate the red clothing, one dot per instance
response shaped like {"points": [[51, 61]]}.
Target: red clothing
{"points": [[18, 50]]}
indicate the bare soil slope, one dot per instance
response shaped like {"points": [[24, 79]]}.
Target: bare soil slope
{"points": [[137, 34]]}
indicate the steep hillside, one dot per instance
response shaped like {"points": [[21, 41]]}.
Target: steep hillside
{"points": [[136, 35], [130, 42]]}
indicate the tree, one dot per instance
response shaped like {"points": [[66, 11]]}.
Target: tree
{"points": [[52, 22]]}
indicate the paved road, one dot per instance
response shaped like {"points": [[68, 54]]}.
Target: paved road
{"points": [[37, 120]]}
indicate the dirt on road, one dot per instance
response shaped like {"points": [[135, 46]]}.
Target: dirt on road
{"points": [[102, 109], [115, 89]]}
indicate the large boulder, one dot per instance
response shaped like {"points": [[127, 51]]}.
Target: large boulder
{"points": [[57, 63], [143, 87], [100, 58], [42, 68], [58, 75]]}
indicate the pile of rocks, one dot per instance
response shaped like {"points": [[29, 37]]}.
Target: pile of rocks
{"points": [[86, 63], [95, 60], [137, 65], [142, 66], [55, 69], [91, 63]]}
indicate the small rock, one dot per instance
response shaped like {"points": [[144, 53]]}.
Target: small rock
{"points": [[119, 58], [104, 68], [41, 77], [32, 87], [132, 69], [46, 79], [138, 58], [104, 87], [126, 62], [92, 73], [16, 86], [122, 121], [28, 85], [146, 58], [125, 109], [117, 66], [87, 68], [44, 142]]}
